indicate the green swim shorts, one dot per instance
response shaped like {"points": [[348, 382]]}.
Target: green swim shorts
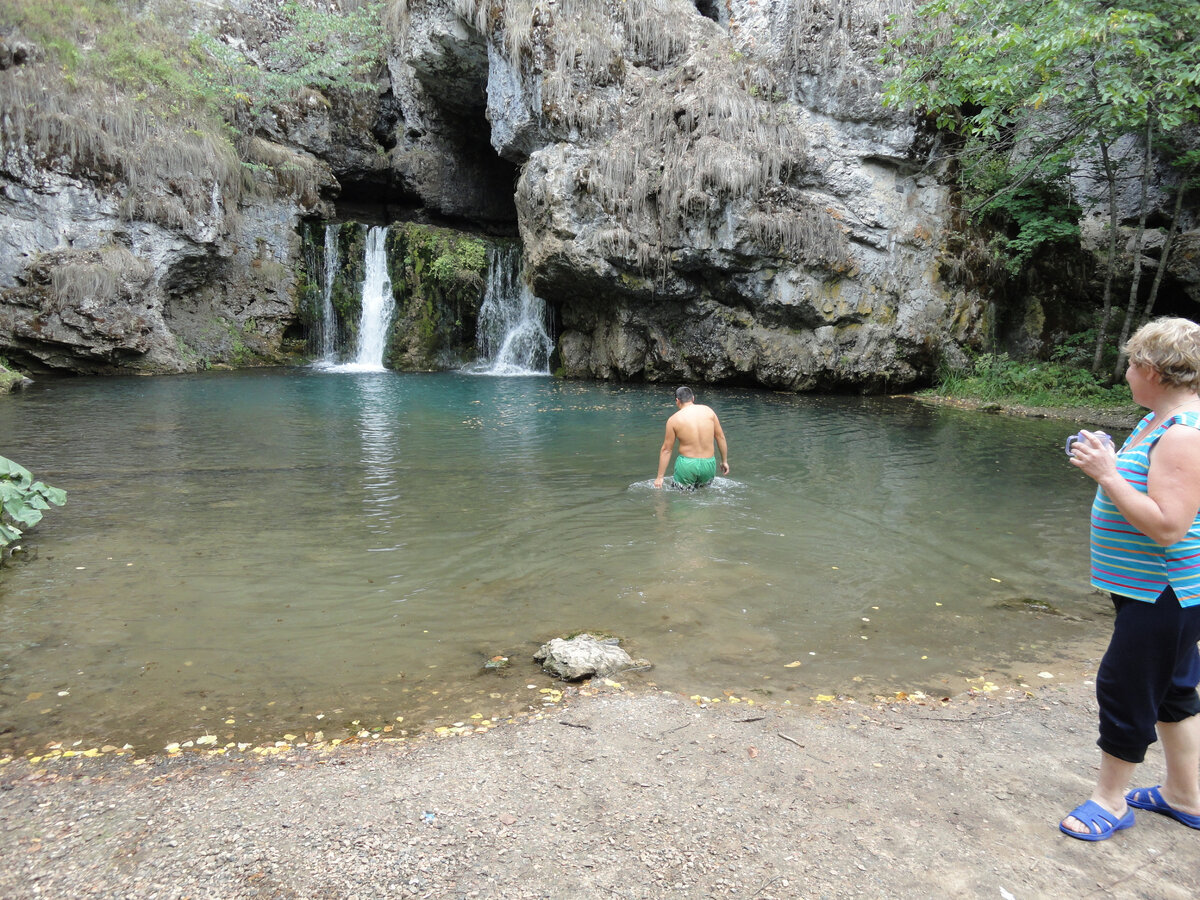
{"points": [[691, 472]]}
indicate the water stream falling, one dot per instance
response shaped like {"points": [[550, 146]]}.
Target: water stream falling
{"points": [[511, 336], [378, 304], [328, 317]]}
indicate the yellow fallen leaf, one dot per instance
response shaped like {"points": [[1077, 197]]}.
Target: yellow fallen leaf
{"points": [[793, 664], [823, 698]]}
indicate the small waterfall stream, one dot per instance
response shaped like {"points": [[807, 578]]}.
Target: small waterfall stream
{"points": [[328, 317], [512, 336], [378, 304]]}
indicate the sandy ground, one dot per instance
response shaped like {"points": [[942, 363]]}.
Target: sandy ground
{"points": [[614, 794]]}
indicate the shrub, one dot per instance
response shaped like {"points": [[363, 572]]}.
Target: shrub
{"points": [[22, 501]]}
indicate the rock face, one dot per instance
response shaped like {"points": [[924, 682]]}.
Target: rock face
{"points": [[705, 192]]}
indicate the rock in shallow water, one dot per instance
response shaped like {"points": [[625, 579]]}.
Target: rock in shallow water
{"points": [[583, 656]]}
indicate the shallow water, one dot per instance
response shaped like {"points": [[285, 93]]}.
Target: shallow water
{"points": [[262, 553]]}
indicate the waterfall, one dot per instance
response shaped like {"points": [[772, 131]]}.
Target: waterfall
{"points": [[511, 335], [377, 303], [328, 318]]}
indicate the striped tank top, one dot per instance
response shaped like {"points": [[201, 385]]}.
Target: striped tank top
{"points": [[1125, 561]]}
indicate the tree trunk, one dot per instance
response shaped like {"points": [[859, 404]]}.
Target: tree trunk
{"points": [[1166, 251], [1106, 309], [1138, 243]]}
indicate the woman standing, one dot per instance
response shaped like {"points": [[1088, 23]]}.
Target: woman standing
{"points": [[1146, 551]]}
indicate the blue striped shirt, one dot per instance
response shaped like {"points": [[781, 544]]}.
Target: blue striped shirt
{"points": [[1125, 561]]}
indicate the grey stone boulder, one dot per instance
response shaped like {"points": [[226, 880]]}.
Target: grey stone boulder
{"points": [[584, 656]]}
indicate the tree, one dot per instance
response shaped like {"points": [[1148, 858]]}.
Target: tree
{"points": [[1034, 79]]}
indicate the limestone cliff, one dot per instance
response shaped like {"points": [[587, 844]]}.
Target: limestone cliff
{"points": [[704, 191], [712, 197]]}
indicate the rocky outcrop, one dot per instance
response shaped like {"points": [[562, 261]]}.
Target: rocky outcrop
{"points": [[705, 192], [722, 203]]}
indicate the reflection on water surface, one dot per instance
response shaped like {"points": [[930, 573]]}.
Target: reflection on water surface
{"points": [[254, 554]]}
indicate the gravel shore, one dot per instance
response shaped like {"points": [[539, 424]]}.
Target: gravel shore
{"points": [[613, 794]]}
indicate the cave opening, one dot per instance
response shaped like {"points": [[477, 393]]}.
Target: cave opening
{"points": [[432, 128]]}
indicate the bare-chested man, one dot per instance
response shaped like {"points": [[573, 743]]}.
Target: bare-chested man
{"points": [[696, 428]]}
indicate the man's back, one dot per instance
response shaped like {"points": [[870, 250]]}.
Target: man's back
{"points": [[695, 426], [696, 429]]}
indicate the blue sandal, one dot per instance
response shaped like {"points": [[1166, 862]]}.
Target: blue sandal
{"points": [[1151, 799], [1101, 824]]}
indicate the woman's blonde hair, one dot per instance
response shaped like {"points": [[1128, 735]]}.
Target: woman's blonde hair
{"points": [[1171, 347]]}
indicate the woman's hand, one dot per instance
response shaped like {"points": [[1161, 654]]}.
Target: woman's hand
{"points": [[1094, 455]]}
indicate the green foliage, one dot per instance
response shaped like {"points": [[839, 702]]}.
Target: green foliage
{"points": [[1033, 84], [126, 92], [438, 278], [22, 500], [316, 50], [1037, 212], [984, 67], [996, 377]]}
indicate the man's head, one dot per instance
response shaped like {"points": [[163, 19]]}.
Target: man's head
{"points": [[684, 395]]}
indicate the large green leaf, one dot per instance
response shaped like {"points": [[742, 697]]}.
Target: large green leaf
{"points": [[22, 500], [14, 472], [54, 495]]}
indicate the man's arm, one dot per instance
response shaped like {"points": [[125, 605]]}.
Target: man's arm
{"points": [[664, 455], [719, 437]]}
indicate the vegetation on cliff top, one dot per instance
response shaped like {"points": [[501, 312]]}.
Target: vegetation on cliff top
{"points": [[709, 143], [147, 102]]}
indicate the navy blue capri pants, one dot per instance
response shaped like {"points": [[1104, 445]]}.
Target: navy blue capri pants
{"points": [[1148, 674]]}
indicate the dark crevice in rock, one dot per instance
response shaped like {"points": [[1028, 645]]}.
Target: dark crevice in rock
{"points": [[710, 9], [390, 115]]}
